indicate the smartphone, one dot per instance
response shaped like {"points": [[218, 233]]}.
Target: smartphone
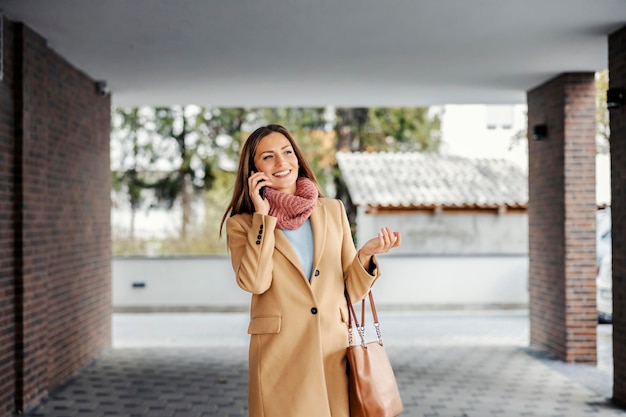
{"points": [[262, 190]]}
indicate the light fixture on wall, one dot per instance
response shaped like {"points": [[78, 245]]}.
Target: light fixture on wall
{"points": [[102, 88], [615, 98], [540, 132]]}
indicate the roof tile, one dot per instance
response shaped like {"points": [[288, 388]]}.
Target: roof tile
{"points": [[414, 180]]}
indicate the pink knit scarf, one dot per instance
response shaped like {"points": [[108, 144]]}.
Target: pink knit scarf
{"points": [[292, 210]]}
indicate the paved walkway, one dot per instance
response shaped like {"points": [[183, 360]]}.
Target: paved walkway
{"points": [[452, 364]]}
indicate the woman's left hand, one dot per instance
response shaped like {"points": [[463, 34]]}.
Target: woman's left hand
{"points": [[383, 243]]}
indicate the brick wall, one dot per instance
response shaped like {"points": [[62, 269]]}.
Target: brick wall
{"points": [[561, 217], [617, 78], [7, 234], [61, 256]]}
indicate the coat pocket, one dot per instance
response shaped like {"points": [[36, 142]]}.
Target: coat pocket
{"points": [[343, 311], [260, 325]]}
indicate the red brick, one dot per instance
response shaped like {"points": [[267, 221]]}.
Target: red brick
{"points": [[561, 214], [7, 235], [55, 250]]}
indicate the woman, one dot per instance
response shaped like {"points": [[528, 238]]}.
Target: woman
{"points": [[292, 249]]}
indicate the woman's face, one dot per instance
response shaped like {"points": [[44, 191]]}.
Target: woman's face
{"points": [[276, 158]]}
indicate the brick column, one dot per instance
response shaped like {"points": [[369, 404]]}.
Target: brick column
{"points": [[7, 235], [617, 78], [62, 243], [561, 214]]}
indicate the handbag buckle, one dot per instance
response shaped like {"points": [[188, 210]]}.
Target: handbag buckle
{"points": [[380, 338], [361, 330]]}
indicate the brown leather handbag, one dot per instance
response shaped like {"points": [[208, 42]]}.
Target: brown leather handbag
{"points": [[371, 382]]}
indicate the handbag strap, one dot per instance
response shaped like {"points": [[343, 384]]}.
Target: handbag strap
{"points": [[352, 317]]}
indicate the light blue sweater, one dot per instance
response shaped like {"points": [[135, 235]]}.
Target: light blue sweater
{"points": [[301, 240]]}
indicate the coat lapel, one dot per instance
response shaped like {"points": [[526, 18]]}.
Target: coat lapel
{"points": [[318, 225], [284, 246]]}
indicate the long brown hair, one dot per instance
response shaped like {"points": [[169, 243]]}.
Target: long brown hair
{"points": [[241, 201]]}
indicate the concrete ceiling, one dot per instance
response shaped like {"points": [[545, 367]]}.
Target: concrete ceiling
{"points": [[324, 52]]}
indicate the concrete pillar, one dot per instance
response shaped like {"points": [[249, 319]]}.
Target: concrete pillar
{"points": [[561, 215]]}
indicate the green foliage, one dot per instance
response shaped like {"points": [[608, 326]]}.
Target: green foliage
{"points": [[183, 126], [196, 244], [134, 154], [309, 127], [204, 240], [181, 151], [350, 127], [403, 129], [603, 129], [384, 129], [297, 119]]}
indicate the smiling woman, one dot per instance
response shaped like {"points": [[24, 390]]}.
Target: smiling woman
{"points": [[293, 251], [277, 163]]}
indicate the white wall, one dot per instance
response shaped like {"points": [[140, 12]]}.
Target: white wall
{"points": [[208, 283], [450, 233], [453, 281], [194, 282]]}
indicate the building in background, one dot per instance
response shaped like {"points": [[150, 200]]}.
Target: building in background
{"points": [[499, 131], [443, 204], [485, 131], [463, 222]]}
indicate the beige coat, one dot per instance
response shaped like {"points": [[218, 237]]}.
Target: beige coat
{"points": [[298, 330]]}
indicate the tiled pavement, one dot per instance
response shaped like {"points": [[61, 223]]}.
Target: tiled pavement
{"points": [[454, 364]]}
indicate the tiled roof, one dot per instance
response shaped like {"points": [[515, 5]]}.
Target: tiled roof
{"points": [[420, 180]]}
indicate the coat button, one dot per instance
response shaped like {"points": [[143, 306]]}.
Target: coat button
{"points": [[261, 227], [314, 310], [317, 272], [258, 242], [258, 237]]}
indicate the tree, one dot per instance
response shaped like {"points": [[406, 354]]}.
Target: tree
{"points": [[403, 129], [172, 123], [349, 127], [225, 129], [130, 141], [187, 149], [173, 161], [204, 137], [603, 131], [297, 119], [310, 127], [383, 129]]}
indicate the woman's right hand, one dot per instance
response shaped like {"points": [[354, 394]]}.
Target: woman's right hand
{"points": [[255, 182]]}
